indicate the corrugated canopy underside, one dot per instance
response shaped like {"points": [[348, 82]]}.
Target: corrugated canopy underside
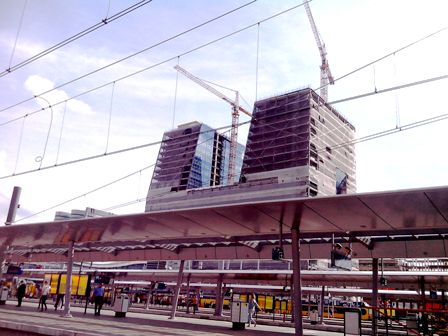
{"points": [[362, 217]]}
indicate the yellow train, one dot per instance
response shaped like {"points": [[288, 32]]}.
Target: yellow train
{"points": [[282, 305]]}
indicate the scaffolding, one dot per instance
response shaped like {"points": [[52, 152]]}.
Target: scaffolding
{"points": [[299, 129]]}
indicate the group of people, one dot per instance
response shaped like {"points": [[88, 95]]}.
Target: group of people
{"points": [[44, 293], [98, 296]]}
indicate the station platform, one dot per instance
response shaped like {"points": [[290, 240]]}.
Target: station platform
{"points": [[28, 321]]}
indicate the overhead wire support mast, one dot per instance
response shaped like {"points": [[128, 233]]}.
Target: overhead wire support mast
{"points": [[325, 73], [236, 109]]}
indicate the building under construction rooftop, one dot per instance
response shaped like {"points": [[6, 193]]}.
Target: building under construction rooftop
{"points": [[298, 146]]}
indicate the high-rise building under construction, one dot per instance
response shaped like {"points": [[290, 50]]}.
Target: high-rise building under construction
{"points": [[297, 134], [297, 146], [191, 156]]}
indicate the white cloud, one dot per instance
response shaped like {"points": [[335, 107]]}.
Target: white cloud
{"points": [[37, 85], [78, 106], [143, 105]]}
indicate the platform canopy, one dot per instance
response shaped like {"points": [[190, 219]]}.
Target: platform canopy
{"points": [[381, 224]]}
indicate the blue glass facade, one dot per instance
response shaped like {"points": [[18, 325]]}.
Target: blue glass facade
{"points": [[202, 164], [224, 166], [194, 156]]}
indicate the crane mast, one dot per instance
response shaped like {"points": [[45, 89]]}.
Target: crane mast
{"points": [[325, 74], [236, 109]]}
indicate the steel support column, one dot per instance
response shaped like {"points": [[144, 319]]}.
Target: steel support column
{"points": [[322, 297], [218, 300], [188, 292], [443, 299], [425, 326], [68, 282], [2, 262], [13, 206], [148, 299], [297, 285], [374, 295], [177, 290]]}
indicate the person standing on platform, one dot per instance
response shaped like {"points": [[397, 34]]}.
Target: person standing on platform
{"points": [[98, 296], [39, 295], [253, 305], [194, 303], [59, 298], [45, 292], [20, 293]]}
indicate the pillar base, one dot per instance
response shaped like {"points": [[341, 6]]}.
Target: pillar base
{"points": [[68, 315], [238, 326]]}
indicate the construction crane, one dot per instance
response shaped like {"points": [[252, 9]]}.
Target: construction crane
{"points": [[325, 73], [236, 109]]}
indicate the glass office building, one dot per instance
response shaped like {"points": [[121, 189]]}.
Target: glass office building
{"points": [[297, 146], [191, 156]]}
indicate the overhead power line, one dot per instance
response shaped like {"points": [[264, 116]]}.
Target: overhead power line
{"points": [[390, 131], [130, 56], [105, 154], [240, 124], [388, 55], [86, 193], [393, 88], [191, 51], [89, 30], [111, 183], [355, 141]]}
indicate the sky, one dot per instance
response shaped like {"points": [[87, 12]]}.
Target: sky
{"points": [[111, 109]]}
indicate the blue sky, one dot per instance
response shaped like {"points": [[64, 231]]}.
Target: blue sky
{"points": [[142, 106]]}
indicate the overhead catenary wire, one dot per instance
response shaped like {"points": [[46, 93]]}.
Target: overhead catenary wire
{"points": [[155, 143], [149, 67], [133, 55], [198, 48], [393, 88], [355, 141], [110, 116], [257, 61], [74, 37], [397, 102], [60, 132], [158, 142], [107, 13], [386, 89], [320, 150], [86, 193], [97, 156], [175, 96], [387, 55], [19, 147], [110, 183], [17, 34], [41, 158], [390, 131], [387, 131]]}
